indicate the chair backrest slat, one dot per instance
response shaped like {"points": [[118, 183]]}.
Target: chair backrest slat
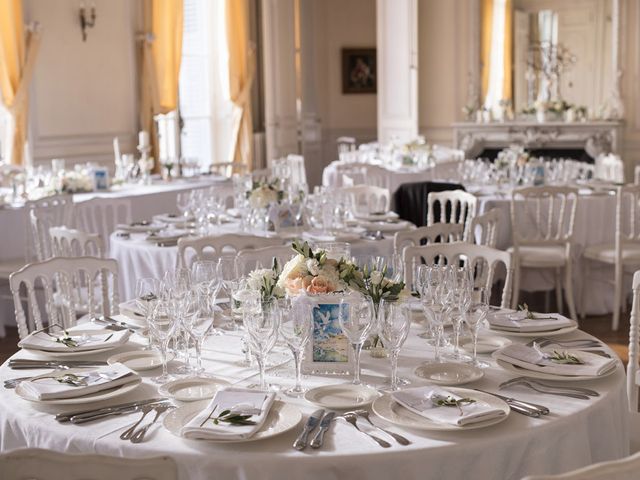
{"points": [[436, 233], [634, 338], [454, 206], [213, 247], [484, 228]]}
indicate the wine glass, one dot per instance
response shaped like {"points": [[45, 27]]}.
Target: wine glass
{"points": [[199, 319], [262, 330], [394, 324], [183, 202], [206, 280], [162, 326], [228, 274], [477, 312], [461, 283], [356, 318], [244, 301], [295, 329], [147, 294]]}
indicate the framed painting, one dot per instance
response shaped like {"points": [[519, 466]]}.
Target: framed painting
{"points": [[359, 70]]}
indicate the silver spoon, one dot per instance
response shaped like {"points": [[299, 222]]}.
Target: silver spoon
{"points": [[397, 437]]}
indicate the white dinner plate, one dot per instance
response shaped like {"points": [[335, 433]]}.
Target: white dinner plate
{"points": [[342, 396], [545, 333], [549, 376], [192, 389], [282, 418], [86, 399], [137, 228], [449, 373], [383, 226], [391, 411], [140, 360], [83, 353], [486, 343], [375, 218]]}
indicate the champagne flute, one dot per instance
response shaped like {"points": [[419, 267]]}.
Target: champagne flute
{"points": [[199, 319], [394, 324], [295, 329], [478, 310], [356, 318], [147, 294], [262, 329], [460, 284], [206, 280], [162, 326]]}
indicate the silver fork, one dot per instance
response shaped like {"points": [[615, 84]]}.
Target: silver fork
{"points": [[397, 437], [584, 343], [539, 389], [352, 418], [13, 382], [139, 435], [128, 433]]}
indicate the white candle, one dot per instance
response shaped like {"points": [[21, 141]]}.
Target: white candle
{"points": [[116, 149], [143, 138]]}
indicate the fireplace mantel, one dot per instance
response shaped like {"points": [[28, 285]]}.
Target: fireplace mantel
{"points": [[593, 137]]}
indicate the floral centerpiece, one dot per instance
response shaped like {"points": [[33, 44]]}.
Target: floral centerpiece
{"points": [[265, 281], [263, 194], [76, 181]]}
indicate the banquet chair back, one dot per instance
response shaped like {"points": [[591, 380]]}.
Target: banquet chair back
{"points": [[634, 340], [192, 249], [45, 213], [102, 216], [63, 276], [346, 144], [436, 233], [251, 259], [376, 176], [451, 206], [39, 464], [484, 262], [483, 229], [448, 170], [297, 170], [367, 199], [69, 242], [623, 469], [349, 175]]}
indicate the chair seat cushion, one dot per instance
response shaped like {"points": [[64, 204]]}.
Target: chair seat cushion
{"points": [[607, 253], [541, 256]]}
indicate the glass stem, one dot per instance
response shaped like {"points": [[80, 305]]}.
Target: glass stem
{"points": [[163, 354], [261, 366], [357, 347], [198, 343], [457, 324], [474, 334], [297, 358], [185, 339], [394, 369]]}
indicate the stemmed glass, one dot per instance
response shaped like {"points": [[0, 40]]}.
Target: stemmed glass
{"points": [[439, 307], [206, 280], [477, 312], [228, 275], [356, 317], [162, 326], [147, 294], [460, 284], [295, 329], [262, 330], [199, 322], [394, 324], [183, 202]]}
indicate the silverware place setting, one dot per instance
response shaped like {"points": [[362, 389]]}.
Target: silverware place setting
{"points": [[550, 389], [352, 418], [26, 364], [138, 436], [364, 414], [519, 406], [89, 415], [312, 422]]}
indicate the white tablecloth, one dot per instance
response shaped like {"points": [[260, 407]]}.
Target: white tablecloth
{"points": [[576, 433]]}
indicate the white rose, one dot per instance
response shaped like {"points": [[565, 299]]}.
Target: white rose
{"points": [[313, 266], [376, 277], [295, 267]]}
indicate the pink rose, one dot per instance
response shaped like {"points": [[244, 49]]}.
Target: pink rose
{"points": [[293, 285], [320, 285]]}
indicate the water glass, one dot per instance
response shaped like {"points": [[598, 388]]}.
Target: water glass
{"points": [[199, 322], [162, 326], [394, 322], [295, 329], [147, 294], [476, 314], [357, 318], [262, 333]]}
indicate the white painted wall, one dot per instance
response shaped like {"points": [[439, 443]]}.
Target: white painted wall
{"points": [[83, 94]]}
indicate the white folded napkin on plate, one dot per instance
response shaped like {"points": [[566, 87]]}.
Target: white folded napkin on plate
{"points": [[420, 400], [88, 339], [102, 378], [534, 360], [517, 322], [238, 400]]}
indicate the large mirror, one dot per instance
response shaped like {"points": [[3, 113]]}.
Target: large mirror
{"points": [[555, 56]]}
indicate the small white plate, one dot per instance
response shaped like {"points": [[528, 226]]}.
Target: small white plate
{"points": [[549, 376], [282, 418], [86, 399], [546, 333], [192, 389], [449, 373], [342, 396], [72, 354], [486, 343], [387, 409], [140, 360]]}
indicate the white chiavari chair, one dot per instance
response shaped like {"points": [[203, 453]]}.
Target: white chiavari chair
{"points": [[348, 175], [69, 242], [297, 169], [633, 380], [484, 261], [249, 260], [436, 233], [39, 464], [623, 253], [623, 469], [45, 213], [60, 275], [542, 220], [192, 249], [483, 229], [376, 176], [102, 216], [367, 199], [455, 206]]}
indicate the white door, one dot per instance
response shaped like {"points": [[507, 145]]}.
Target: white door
{"points": [[397, 59]]}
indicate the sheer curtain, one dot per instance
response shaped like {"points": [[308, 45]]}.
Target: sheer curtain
{"points": [[497, 47]]}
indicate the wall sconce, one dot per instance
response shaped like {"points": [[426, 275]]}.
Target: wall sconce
{"points": [[87, 21]]}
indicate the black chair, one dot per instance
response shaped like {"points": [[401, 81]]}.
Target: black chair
{"points": [[410, 199]]}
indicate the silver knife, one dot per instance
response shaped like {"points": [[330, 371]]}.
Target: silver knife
{"points": [[65, 417], [312, 422], [88, 417], [541, 409], [324, 426]]}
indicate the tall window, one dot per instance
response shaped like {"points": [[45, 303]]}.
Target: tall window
{"points": [[205, 106]]}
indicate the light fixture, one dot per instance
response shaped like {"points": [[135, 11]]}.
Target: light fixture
{"points": [[87, 21]]}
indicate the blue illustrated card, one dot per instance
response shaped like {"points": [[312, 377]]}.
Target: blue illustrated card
{"points": [[329, 343]]}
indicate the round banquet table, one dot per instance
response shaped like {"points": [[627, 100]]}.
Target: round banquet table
{"points": [[574, 434]]}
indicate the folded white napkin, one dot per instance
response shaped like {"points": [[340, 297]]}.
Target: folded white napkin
{"points": [[419, 400], [88, 338], [102, 378], [532, 359], [517, 322], [238, 400]]}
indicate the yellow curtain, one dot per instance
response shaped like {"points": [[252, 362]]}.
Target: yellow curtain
{"points": [[17, 61], [160, 56], [507, 86], [485, 44], [241, 73]]}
